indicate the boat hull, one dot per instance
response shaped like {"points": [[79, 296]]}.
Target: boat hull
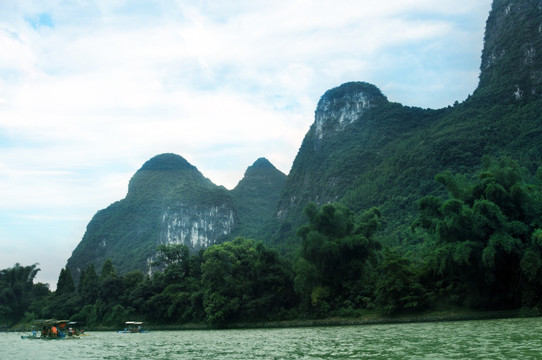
{"points": [[32, 337]]}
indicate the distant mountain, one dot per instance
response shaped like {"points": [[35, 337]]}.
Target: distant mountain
{"points": [[256, 195], [170, 202]]}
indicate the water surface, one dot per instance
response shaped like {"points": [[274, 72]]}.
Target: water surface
{"points": [[482, 339]]}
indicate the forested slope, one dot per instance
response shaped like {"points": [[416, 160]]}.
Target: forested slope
{"points": [[385, 154]]}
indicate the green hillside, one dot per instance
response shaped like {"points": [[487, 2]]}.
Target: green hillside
{"points": [[128, 231], [170, 202], [256, 195], [389, 154]]}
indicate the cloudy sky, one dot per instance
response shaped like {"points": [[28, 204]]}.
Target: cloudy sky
{"points": [[91, 89]]}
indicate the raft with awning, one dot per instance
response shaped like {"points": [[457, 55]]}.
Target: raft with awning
{"points": [[52, 329]]}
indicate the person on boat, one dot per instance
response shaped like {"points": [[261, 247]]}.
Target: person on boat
{"points": [[54, 331]]}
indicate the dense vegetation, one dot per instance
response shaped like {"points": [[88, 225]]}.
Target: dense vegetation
{"points": [[389, 156], [480, 247], [255, 197], [361, 224]]}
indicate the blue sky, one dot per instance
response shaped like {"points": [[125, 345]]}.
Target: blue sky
{"points": [[90, 90]]}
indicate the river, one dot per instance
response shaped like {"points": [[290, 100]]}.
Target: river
{"points": [[481, 339]]}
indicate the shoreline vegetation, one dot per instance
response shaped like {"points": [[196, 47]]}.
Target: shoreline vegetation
{"points": [[369, 319], [468, 258]]}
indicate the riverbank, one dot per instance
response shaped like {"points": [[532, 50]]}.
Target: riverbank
{"points": [[368, 319], [379, 319]]}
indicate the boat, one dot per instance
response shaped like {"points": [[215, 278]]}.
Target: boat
{"points": [[75, 329], [132, 327], [52, 329]]}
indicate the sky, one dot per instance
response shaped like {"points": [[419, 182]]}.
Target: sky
{"points": [[91, 89]]}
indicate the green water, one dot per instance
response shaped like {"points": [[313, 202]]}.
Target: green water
{"points": [[483, 339]]}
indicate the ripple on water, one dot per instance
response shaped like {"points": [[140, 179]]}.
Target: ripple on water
{"points": [[484, 339]]}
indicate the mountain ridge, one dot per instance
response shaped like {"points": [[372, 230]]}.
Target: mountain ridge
{"points": [[170, 202]]}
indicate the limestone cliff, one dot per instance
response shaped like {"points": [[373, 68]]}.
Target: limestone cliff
{"points": [[344, 105], [511, 67], [195, 226], [170, 202], [342, 141]]}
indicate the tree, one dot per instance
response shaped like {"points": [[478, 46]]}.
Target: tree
{"points": [[65, 284], [482, 241], [16, 285], [110, 285], [64, 301], [337, 247], [174, 260], [89, 285], [242, 280], [398, 287], [107, 269]]}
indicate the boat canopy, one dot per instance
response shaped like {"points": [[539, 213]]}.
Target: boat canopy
{"points": [[51, 322]]}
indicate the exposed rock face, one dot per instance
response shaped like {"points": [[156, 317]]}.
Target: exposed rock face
{"points": [[196, 226], [336, 118], [344, 105]]}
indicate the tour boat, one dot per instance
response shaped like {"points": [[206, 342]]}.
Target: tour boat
{"points": [[52, 329], [132, 327]]}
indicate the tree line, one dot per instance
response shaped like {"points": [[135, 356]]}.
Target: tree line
{"points": [[478, 247]]}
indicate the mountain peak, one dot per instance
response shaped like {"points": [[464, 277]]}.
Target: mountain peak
{"points": [[256, 195], [345, 104], [261, 171], [511, 66], [369, 92], [261, 163], [167, 161], [163, 174]]}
